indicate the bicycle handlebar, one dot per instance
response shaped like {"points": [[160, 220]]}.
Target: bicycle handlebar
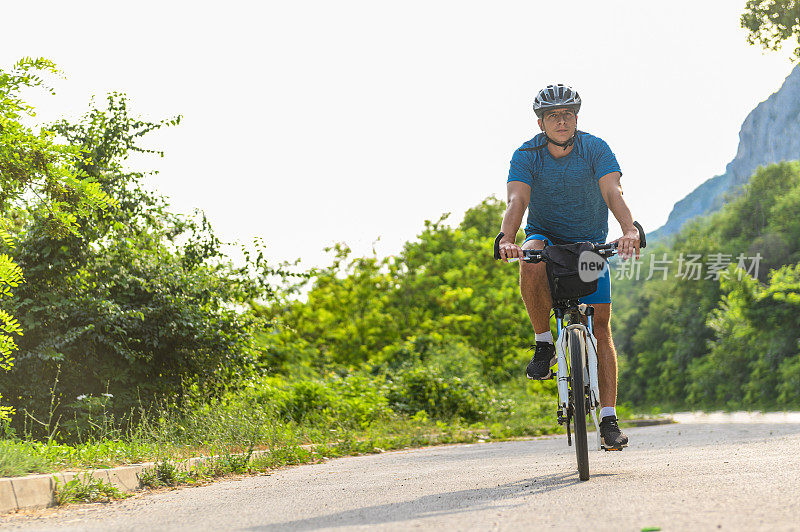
{"points": [[535, 255]]}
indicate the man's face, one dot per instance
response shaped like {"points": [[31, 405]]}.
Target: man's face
{"points": [[559, 124]]}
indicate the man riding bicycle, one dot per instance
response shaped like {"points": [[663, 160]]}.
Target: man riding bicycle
{"points": [[568, 180]]}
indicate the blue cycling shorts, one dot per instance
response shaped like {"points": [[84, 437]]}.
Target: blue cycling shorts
{"points": [[603, 292]]}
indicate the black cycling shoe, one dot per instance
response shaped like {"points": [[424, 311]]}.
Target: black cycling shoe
{"points": [[613, 439], [543, 359]]}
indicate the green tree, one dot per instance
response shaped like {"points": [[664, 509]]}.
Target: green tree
{"points": [[10, 277], [34, 164], [752, 360], [724, 343], [770, 23], [139, 302], [442, 292]]}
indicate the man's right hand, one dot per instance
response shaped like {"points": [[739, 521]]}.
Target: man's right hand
{"points": [[509, 250]]}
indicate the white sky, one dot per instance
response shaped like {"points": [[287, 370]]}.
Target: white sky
{"points": [[307, 123]]}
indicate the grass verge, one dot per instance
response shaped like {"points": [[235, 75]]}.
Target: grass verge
{"points": [[21, 458], [299, 424]]}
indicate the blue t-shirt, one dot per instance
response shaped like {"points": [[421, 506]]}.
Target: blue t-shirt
{"points": [[566, 202]]}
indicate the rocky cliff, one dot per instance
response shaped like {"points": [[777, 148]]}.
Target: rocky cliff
{"points": [[769, 134]]}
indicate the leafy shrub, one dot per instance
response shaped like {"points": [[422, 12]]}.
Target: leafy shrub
{"points": [[139, 302], [428, 389], [789, 387], [353, 400], [440, 376], [33, 163]]}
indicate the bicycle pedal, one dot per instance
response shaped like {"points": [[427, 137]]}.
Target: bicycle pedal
{"points": [[607, 449]]}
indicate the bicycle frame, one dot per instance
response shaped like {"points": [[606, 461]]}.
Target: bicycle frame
{"points": [[590, 373]]}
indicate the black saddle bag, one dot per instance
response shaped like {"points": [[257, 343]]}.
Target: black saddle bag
{"points": [[562, 271]]}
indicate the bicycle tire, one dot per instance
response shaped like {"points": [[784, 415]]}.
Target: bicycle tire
{"points": [[577, 356]]}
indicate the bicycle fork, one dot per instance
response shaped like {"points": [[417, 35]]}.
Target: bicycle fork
{"points": [[590, 375]]}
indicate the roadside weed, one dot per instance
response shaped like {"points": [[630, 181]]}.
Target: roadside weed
{"points": [[165, 473], [85, 488], [20, 458]]}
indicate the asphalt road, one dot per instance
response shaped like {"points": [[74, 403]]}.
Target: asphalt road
{"points": [[693, 476]]}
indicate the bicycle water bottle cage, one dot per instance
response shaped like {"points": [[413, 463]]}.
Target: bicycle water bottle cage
{"points": [[562, 271]]}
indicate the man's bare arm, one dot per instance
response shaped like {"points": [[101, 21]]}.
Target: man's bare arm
{"points": [[519, 195], [611, 188]]}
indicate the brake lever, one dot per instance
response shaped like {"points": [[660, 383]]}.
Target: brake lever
{"points": [[497, 245], [497, 248], [642, 239]]}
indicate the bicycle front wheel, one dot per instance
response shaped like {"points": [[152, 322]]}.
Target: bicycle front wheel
{"points": [[577, 360]]}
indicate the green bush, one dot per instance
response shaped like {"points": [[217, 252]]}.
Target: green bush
{"points": [[354, 400], [789, 387], [140, 302], [426, 388]]}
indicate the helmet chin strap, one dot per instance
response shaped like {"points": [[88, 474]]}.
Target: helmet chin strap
{"points": [[566, 144]]}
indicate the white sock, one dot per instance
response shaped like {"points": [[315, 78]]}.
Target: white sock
{"points": [[545, 337], [608, 411]]}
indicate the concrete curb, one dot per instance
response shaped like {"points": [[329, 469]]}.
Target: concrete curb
{"points": [[38, 491]]}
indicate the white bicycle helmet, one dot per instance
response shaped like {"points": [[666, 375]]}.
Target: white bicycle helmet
{"points": [[556, 97]]}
